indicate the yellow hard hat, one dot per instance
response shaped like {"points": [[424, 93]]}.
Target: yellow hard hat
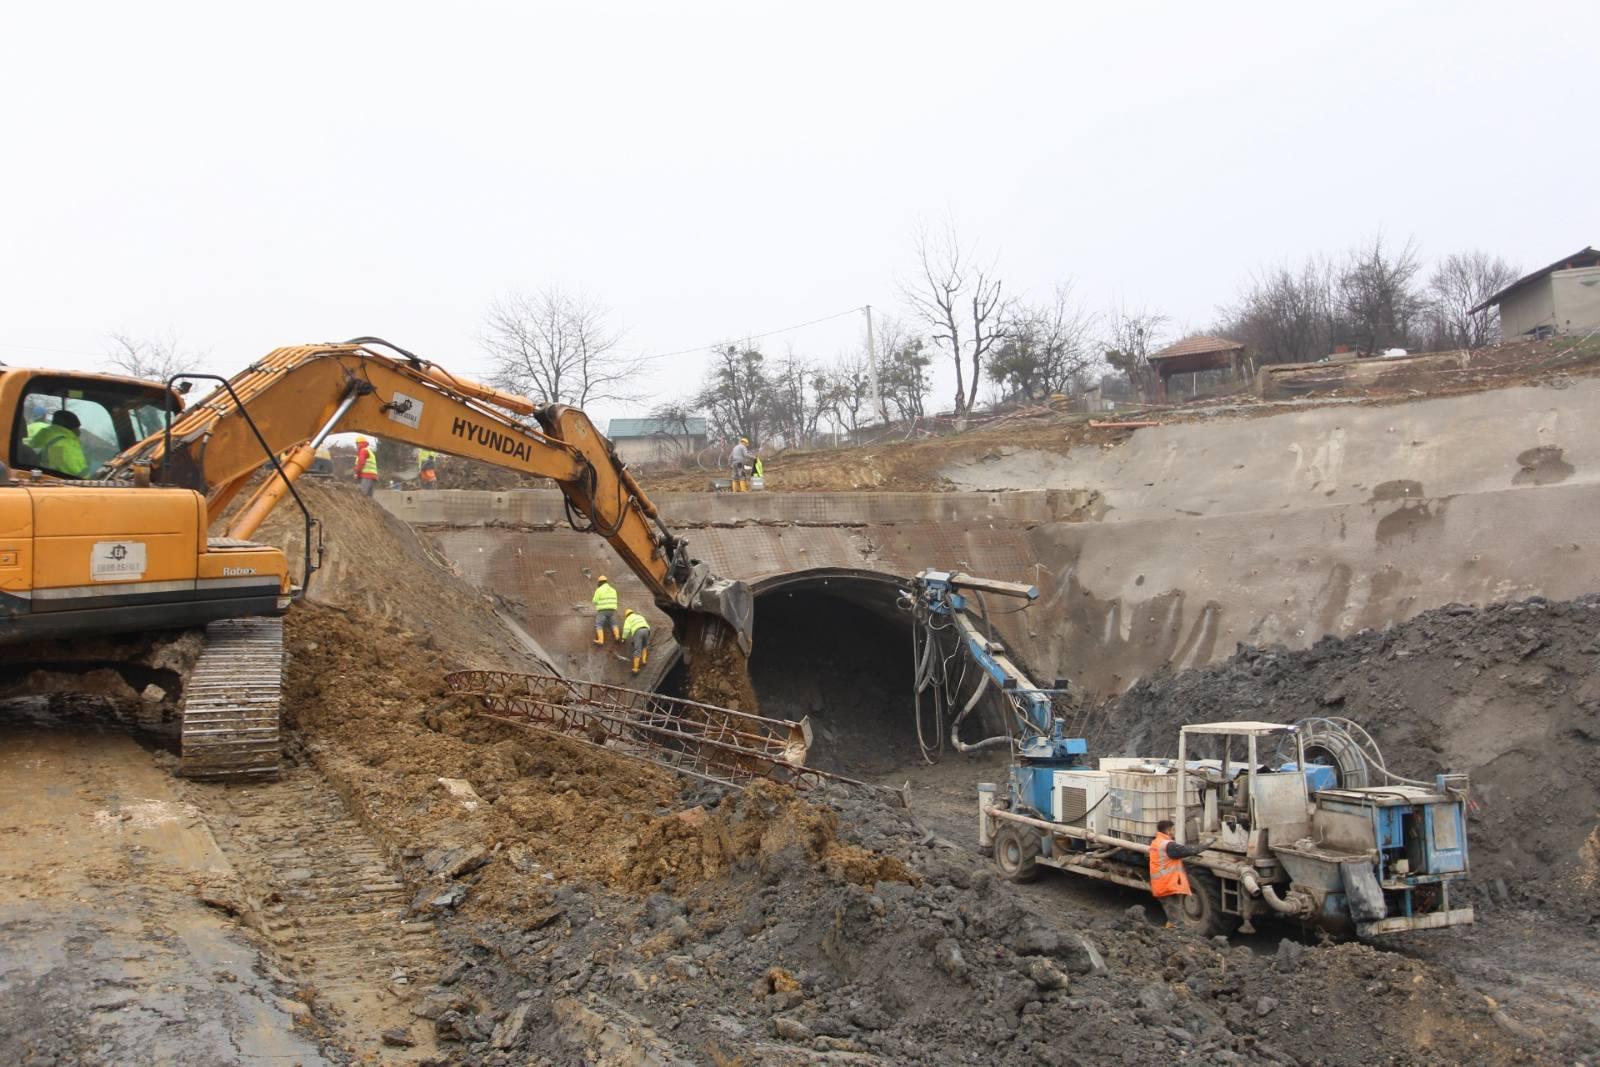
{"points": [[744, 440], [361, 440], [601, 579], [628, 611]]}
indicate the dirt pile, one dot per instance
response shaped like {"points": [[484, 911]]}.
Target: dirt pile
{"points": [[782, 961], [1509, 694], [432, 774], [378, 564], [698, 844]]}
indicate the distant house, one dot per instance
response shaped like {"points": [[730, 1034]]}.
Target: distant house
{"points": [[1561, 298], [1195, 355], [656, 440]]}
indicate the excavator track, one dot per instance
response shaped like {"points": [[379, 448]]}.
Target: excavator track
{"points": [[231, 702]]}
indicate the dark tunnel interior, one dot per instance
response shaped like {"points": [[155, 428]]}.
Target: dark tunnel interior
{"points": [[845, 662]]}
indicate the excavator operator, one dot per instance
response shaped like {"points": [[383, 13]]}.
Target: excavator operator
{"points": [[57, 445]]}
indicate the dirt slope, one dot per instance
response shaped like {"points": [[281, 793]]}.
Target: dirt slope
{"points": [[378, 564]]}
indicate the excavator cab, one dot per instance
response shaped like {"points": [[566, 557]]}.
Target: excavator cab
{"points": [[103, 414]]}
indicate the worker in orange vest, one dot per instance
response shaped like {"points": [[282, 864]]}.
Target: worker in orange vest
{"points": [[1168, 880], [366, 465]]}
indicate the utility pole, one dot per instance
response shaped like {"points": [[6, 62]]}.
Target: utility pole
{"points": [[872, 371]]}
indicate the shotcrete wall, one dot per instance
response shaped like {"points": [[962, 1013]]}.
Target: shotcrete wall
{"points": [[1170, 548]]}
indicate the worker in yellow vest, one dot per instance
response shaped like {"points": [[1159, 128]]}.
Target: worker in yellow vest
{"points": [[605, 611], [57, 445], [636, 631]]}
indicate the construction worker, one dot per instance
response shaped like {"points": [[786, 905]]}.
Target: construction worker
{"points": [[57, 445], [1168, 880], [605, 611], [366, 465], [738, 462], [761, 471], [428, 468], [636, 631], [38, 416]]}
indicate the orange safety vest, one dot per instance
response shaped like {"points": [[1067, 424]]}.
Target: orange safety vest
{"points": [[1167, 877]]}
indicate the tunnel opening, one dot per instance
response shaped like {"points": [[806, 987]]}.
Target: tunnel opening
{"points": [[836, 652]]}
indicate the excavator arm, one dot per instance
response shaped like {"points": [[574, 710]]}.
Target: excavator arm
{"points": [[290, 400]]}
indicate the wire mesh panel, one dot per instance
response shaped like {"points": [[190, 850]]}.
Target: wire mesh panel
{"points": [[700, 740]]}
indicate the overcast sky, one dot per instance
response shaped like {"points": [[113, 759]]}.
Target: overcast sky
{"points": [[249, 176]]}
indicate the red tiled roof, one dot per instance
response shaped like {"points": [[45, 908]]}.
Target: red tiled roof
{"points": [[1197, 346]]}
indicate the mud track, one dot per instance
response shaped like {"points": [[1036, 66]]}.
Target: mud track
{"points": [[335, 917]]}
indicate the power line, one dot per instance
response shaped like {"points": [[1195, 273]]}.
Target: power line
{"points": [[55, 351], [757, 336]]}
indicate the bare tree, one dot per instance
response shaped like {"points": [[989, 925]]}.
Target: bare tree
{"points": [[845, 391], [675, 418], [1377, 296], [1286, 315], [794, 401], [1461, 282], [558, 347], [737, 394], [155, 359], [1128, 338], [903, 375], [962, 305], [1046, 349]]}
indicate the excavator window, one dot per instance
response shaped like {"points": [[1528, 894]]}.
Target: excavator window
{"points": [[111, 416]]}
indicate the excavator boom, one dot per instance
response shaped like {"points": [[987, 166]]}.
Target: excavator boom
{"points": [[293, 397], [113, 559]]}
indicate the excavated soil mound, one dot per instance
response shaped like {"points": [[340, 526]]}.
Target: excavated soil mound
{"points": [[378, 564], [367, 698], [698, 844], [1509, 694]]}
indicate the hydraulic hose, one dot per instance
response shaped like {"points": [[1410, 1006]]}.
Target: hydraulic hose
{"points": [[955, 727]]}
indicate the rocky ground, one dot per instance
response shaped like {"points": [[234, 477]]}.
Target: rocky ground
{"points": [[530, 899], [595, 907]]}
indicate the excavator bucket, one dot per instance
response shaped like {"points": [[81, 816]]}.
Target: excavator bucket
{"points": [[720, 598]]}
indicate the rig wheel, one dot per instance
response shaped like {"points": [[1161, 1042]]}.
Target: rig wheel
{"points": [[1202, 912], [1016, 850]]}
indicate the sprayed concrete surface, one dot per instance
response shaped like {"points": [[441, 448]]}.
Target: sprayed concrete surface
{"points": [[1318, 456], [1169, 548], [107, 952]]}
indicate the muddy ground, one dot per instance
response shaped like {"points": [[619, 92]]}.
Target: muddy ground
{"points": [[427, 885], [592, 907], [589, 903]]}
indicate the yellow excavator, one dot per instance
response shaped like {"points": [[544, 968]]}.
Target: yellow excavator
{"points": [[110, 488]]}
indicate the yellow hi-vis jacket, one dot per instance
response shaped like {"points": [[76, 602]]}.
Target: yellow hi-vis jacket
{"points": [[605, 597], [633, 624], [59, 449]]}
